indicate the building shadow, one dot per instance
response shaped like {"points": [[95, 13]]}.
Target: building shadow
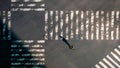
{"points": [[10, 54]]}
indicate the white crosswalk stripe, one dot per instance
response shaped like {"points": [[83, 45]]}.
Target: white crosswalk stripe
{"points": [[97, 66], [117, 51], [109, 63], [102, 64]]}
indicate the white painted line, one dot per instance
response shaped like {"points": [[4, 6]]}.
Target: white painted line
{"points": [[25, 9], [117, 33], [9, 20], [51, 34], [77, 21], [35, 50], [14, 0], [97, 66], [115, 56], [31, 5], [119, 46], [117, 14], [37, 0], [92, 25], [112, 35], [41, 41], [72, 14], [106, 61], [102, 64], [117, 51], [97, 25], [28, 41], [113, 61], [39, 9], [56, 31]]}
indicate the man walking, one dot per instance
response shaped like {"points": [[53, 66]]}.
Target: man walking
{"points": [[64, 40]]}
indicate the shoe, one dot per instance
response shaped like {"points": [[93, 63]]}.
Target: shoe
{"points": [[71, 47]]}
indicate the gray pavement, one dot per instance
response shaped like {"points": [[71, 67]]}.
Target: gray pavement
{"points": [[87, 53]]}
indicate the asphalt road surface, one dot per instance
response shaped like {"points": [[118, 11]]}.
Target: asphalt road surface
{"points": [[36, 25]]}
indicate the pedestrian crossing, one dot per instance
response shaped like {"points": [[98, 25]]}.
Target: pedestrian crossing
{"points": [[112, 60], [82, 25], [27, 53], [27, 5], [5, 30], [78, 25]]}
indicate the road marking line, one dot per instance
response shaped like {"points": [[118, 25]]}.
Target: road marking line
{"points": [[106, 61], [115, 56], [117, 51], [102, 64], [112, 61], [97, 66]]}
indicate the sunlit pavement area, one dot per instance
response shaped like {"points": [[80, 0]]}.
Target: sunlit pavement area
{"points": [[88, 26], [33, 28]]}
